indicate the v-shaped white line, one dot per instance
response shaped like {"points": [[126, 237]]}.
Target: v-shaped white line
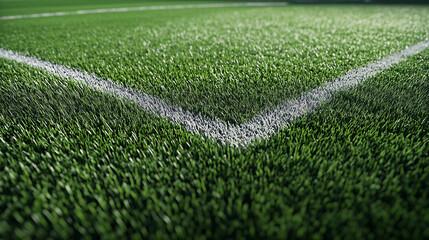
{"points": [[260, 127]]}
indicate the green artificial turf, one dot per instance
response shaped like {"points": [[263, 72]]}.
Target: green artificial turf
{"points": [[229, 63], [75, 162], [18, 7]]}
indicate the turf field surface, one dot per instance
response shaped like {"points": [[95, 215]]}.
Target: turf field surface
{"points": [[199, 58], [261, 127], [76, 162]]}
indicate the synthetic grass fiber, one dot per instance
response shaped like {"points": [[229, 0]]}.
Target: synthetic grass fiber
{"points": [[78, 163], [221, 62], [259, 128]]}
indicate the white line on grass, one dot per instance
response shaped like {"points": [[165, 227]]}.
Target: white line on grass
{"points": [[259, 127], [146, 8]]}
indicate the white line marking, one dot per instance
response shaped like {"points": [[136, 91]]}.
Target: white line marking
{"points": [[259, 127], [147, 8]]}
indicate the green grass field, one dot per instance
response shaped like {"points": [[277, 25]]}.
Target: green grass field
{"points": [[79, 163]]}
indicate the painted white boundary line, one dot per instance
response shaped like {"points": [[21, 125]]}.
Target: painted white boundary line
{"points": [[146, 8], [259, 127]]}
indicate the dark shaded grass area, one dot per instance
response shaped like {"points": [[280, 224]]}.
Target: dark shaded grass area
{"points": [[74, 162]]}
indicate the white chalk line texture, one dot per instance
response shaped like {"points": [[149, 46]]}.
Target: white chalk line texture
{"points": [[146, 8], [260, 127]]}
